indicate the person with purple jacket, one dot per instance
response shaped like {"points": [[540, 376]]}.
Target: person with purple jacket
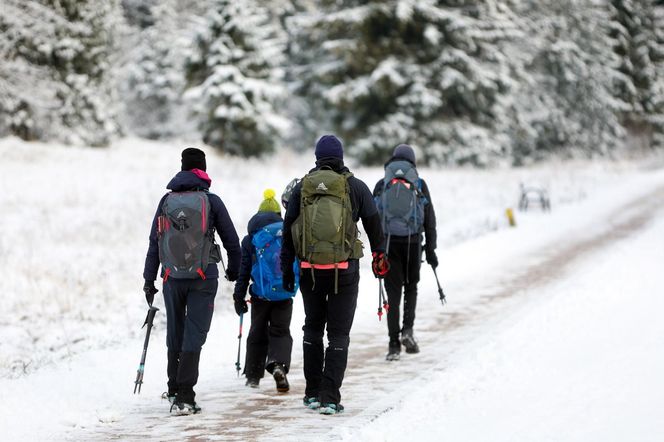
{"points": [[189, 301]]}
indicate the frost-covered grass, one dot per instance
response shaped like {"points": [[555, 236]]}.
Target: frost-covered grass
{"points": [[75, 225]]}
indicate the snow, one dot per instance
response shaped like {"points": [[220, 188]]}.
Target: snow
{"points": [[551, 331], [584, 362]]}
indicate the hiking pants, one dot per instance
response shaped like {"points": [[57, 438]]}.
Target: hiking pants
{"points": [[189, 307], [269, 341], [404, 274], [324, 370]]}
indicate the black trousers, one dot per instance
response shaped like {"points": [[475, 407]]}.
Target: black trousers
{"points": [[324, 369], [269, 341], [403, 276], [189, 308]]}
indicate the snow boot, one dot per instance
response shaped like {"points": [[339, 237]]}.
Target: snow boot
{"points": [[393, 351], [311, 402], [279, 375], [252, 382], [409, 342], [168, 395], [184, 408], [331, 408]]}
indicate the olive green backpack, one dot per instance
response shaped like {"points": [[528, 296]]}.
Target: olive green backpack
{"points": [[325, 232]]}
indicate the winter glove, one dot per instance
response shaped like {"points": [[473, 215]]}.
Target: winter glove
{"points": [[241, 306], [231, 275], [380, 265], [432, 259], [149, 289], [289, 281]]}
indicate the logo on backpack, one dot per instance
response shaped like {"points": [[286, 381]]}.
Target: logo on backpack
{"points": [[401, 204], [266, 269], [185, 238], [324, 232]]}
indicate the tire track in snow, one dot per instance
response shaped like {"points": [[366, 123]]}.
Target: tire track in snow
{"points": [[372, 386]]}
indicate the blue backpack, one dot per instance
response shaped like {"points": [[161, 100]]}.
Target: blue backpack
{"points": [[266, 269]]}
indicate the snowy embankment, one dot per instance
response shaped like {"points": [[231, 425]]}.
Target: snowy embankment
{"points": [[73, 244]]}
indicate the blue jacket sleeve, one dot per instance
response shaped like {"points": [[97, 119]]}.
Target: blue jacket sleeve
{"points": [[152, 258], [243, 279], [226, 231]]}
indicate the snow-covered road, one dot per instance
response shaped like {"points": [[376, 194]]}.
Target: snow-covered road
{"points": [[522, 355], [549, 329]]}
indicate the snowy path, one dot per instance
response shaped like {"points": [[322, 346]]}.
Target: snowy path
{"points": [[373, 387]]}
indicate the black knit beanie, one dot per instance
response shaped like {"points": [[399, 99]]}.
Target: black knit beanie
{"points": [[193, 158]]}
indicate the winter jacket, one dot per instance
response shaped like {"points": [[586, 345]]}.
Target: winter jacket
{"points": [[219, 218], [429, 224], [257, 222], [362, 206]]}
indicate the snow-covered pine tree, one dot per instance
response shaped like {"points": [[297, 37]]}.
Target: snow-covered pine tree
{"points": [[567, 106], [152, 74], [234, 74], [639, 42], [62, 51], [431, 73]]}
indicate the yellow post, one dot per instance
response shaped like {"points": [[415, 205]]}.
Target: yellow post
{"points": [[510, 217]]}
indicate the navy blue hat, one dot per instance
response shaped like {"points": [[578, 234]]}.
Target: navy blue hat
{"points": [[405, 152], [329, 146]]}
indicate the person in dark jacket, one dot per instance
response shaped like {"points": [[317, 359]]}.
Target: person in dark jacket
{"points": [[324, 368], [190, 302], [269, 343], [404, 253]]}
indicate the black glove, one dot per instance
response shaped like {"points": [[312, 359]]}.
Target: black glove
{"points": [[241, 306], [149, 289], [380, 265], [231, 275], [432, 259], [289, 281]]}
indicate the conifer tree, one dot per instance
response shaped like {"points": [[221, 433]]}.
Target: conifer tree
{"points": [[234, 78]]}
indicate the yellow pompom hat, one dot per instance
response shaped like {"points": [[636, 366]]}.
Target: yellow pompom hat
{"points": [[269, 204]]}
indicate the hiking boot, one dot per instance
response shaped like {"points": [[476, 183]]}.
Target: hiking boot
{"points": [[311, 402], [393, 351], [409, 342], [279, 375], [184, 408], [252, 382], [331, 408]]}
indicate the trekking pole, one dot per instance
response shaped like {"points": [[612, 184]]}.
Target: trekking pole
{"points": [[440, 289], [141, 367], [382, 302], [239, 344]]}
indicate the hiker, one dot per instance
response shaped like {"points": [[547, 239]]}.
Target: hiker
{"points": [[320, 227], [182, 240], [404, 203], [269, 343]]}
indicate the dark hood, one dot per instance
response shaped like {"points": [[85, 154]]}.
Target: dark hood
{"points": [[187, 180], [262, 219], [336, 164]]}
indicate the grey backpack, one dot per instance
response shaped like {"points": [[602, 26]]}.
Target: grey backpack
{"points": [[185, 235], [401, 203]]}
